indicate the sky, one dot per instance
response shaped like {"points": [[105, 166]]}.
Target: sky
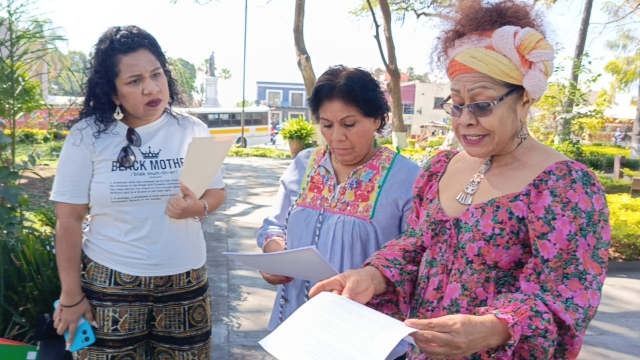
{"points": [[332, 35]]}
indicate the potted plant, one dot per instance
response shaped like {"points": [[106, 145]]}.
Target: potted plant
{"points": [[297, 132]]}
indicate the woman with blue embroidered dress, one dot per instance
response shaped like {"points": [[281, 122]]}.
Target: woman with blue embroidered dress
{"points": [[348, 198]]}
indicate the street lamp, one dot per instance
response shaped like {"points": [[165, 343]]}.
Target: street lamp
{"points": [[243, 142]]}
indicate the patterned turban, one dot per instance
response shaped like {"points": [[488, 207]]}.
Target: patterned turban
{"points": [[512, 54]]}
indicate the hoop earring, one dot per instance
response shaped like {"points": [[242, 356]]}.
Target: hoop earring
{"points": [[522, 135], [118, 115]]}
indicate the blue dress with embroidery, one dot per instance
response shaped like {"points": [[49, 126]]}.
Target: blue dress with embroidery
{"points": [[352, 220]]}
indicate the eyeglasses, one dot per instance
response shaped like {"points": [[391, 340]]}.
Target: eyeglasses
{"points": [[478, 109], [127, 157]]}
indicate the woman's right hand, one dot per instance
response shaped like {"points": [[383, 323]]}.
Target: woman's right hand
{"points": [[358, 285], [275, 245], [68, 317]]}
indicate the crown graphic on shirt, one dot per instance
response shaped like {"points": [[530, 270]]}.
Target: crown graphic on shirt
{"points": [[150, 154]]}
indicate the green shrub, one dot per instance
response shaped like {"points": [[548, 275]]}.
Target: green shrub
{"points": [[28, 270], [632, 164], [54, 148], [385, 141], [601, 163], [630, 173], [411, 143], [625, 226], [435, 142], [602, 150], [617, 186], [259, 152], [298, 129], [571, 148], [37, 136], [30, 281]]}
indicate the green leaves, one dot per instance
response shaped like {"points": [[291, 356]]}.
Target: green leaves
{"points": [[298, 129], [185, 74], [626, 67], [27, 43]]}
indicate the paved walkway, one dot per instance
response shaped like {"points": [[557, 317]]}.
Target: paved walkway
{"points": [[242, 301]]}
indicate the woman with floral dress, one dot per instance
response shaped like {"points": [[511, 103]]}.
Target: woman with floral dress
{"points": [[348, 198], [509, 264]]}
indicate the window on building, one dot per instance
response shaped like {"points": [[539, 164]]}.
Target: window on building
{"points": [[297, 99], [437, 102], [407, 109], [294, 115], [276, 116], [274, 98]]}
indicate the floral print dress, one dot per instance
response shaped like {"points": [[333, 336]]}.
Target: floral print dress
{"points": [[535, 259]]}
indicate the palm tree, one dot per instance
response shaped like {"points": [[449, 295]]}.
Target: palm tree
{"points": [[225, 74]]}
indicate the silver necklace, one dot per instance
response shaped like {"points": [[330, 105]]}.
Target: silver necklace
{"points": [[466, 196]]}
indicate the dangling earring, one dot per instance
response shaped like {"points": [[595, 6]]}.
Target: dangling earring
{"points": [[522, 135], [375, 143], [118, 115]]}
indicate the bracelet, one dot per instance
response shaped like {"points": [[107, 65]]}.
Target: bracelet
{"points": [[76, 304], [206, 212], [206, 208]]}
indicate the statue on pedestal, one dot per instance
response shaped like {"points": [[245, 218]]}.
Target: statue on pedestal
{"points": [[211, 85], [212, 65]]}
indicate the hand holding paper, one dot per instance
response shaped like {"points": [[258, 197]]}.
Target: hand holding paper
{"points": [[332, 327], [185, 206], [304, 263], [358, 285]]}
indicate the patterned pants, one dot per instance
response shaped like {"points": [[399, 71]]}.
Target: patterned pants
{"points": [[147, 317]]}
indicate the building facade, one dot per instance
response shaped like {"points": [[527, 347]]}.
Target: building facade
{"points": [[421, 105], [286, 100]]}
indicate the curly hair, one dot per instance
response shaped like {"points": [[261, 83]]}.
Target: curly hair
{"points": [[475, 16], [103, 71], [355, 87]]}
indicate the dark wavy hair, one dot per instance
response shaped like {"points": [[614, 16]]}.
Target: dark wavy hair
{"points": [[102, 72], [355, 87]]}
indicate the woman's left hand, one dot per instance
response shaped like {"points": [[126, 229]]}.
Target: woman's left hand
{"points": [[185, 206], [455, 336]]}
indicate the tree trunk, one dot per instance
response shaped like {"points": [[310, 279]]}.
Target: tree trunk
{"points": [[565, 133], [304, 60], [399, 135], [635, 132]]}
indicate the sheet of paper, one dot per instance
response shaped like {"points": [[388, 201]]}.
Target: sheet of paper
{"points": [[331, 327], [304, 263], [204, 159]]}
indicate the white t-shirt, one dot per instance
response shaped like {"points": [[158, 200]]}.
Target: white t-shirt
{"points": [[129, 230]]}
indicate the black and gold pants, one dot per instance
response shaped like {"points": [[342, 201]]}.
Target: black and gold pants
{"points": [[147, 317]]}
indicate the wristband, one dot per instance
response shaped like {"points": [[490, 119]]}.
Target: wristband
{"points": [[206, 212], [76, 304]]}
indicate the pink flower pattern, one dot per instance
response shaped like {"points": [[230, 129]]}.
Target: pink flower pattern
{"points": [[536, 259]]}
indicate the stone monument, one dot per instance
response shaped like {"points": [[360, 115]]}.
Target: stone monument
{"points": [[211, 85]]}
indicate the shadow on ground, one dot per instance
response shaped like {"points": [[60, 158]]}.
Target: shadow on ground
{"points": [[242, 300]]}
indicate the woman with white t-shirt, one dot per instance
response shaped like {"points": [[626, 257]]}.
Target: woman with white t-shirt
{"points": [[143, 284]]}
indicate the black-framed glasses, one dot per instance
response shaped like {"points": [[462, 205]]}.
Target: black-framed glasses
{"points": [[126, 157], [478, 109]]}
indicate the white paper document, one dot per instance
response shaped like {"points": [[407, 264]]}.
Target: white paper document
{"points": [[332, 327], [304, 263], [203, 161]]}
